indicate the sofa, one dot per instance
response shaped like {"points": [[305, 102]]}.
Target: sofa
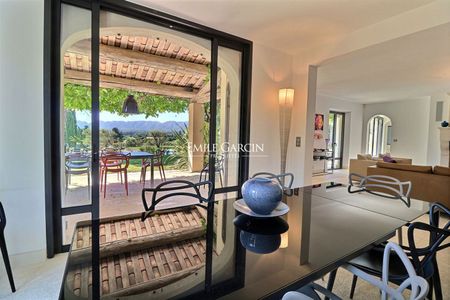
{"points": [[363, 161], [431, 184]]}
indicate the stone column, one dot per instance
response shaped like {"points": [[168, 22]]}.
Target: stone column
{"points": [[196, 121]]}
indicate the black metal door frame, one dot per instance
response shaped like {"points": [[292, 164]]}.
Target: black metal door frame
{"points": [[54, 211]]}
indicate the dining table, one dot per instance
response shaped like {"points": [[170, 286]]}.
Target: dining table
{"points": [[236, 256]]}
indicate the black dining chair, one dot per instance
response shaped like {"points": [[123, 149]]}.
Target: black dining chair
{"points": [[175, 188], [3, 248], [423, 259]]}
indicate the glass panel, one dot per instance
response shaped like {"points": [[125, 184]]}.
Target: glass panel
{"points": [[227, 119], [165, 75], [76, 179], [75, 109], [69, 223], [154, 126], [338, 138], [224, 238]]}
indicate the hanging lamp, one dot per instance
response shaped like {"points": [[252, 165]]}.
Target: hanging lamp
{"points": [[130, 106]]}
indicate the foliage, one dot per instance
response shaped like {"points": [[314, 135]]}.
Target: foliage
{"points": [[78, 97], [71, 131], [158, 139], [180, 147]]}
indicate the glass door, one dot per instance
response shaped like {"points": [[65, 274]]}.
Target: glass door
{"points": [[336, 134], [120, 66]]}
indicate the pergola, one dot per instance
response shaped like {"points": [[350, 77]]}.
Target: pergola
{"points": [[142, 64], [149, 65]]}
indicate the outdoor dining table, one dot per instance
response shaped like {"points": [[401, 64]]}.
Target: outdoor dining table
{"points": [[327, 226]]}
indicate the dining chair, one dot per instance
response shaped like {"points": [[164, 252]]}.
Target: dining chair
{"points": [[4, 249], [77, 164], [220, 159], [155, 161], [384, 186], [417, 284], [174, 188], [281, 178], [381, 185], [114, 163], [423, 259]]}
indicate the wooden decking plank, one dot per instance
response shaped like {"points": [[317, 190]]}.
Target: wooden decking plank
{"points": [[148, 265], [124, 271], [159, 261], [135, 257], [200, 253], [111, 274], [180, 256]]}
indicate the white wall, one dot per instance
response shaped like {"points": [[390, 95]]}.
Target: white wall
{"points": [[353, 122], [271, 71], [410, 122], [434, 151], [21, 124]]}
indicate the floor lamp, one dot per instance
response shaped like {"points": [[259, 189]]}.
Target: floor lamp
{"points": [[286, 102]]}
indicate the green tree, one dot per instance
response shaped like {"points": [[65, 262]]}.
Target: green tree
{"points": [[71, 131]]}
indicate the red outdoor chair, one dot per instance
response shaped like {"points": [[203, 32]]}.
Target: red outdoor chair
{"points": [[114, 163]]}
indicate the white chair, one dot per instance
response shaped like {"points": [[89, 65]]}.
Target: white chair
{"points": [[418, 285]]}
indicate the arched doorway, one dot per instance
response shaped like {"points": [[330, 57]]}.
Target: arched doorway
{"points": [[379, 135]]}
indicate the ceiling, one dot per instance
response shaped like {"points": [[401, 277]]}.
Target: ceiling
{"points": [[287, 25], [412, 66]]}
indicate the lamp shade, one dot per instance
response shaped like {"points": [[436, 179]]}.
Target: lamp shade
{"points": [[130, 105], [286, 97]]}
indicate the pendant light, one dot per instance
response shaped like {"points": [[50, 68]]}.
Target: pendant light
{"points": [[130, 106]]}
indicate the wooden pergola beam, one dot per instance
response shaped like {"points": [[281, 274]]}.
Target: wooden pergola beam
{"points": [[137, 57], [84, 78]]}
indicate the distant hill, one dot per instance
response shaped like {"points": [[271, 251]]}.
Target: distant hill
{"points": [[138, 126]]}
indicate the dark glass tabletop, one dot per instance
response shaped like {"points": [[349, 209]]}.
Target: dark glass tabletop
{"points": [[177, 254]]}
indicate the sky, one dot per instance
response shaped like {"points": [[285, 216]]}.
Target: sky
{"points": [[85, 116]]}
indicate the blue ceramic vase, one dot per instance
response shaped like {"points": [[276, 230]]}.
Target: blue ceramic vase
{"points": [[262, 195]]}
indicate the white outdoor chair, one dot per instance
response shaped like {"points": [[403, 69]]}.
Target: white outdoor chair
{"points": [[418, 285]]}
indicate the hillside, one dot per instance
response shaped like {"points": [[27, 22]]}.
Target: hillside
{"points": [[138, 126]]}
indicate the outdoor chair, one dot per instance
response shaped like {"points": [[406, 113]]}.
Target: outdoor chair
{"points": [[219, 169], [78, 164], [423, 259], [114, 163], [154, 161], [3, 248], [417, 284], [174, 188]]}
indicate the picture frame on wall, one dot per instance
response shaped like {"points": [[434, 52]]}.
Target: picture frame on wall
{"points": [[318, 122]]}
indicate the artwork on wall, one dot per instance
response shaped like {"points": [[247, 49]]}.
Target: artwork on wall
{"points": [[318, 122], [319, 140]]}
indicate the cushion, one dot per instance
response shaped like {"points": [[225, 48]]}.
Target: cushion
{"points": [[388, 159], [383, 155], [403, 167], [364, 156], [438, 170]]}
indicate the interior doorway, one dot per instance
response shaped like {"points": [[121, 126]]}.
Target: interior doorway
{"points": [[336, 122]]}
